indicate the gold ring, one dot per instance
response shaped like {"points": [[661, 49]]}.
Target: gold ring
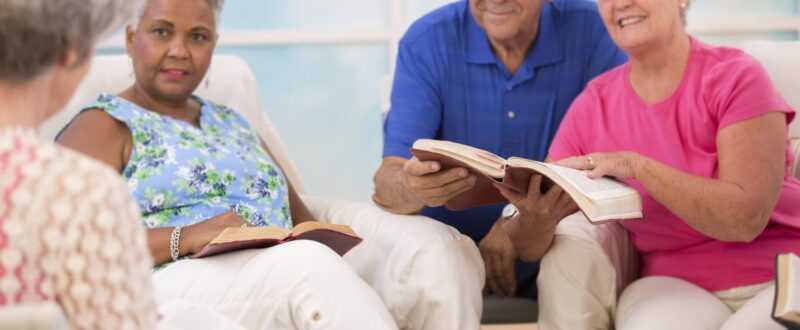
{"points": [[591, 165]]}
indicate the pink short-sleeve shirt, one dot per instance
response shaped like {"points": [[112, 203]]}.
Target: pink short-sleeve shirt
{"points": [[720, 87]]}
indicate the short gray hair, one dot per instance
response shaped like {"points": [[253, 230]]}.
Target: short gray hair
{"points": [[35, 34], [216, 7]]}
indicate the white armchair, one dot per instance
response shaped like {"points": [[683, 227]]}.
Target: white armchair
{"points": [[411, 261], [782, 61]]}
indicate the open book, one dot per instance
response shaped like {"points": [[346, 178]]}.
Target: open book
{"points": [[340, 238], [786, 309], [602, 199]]}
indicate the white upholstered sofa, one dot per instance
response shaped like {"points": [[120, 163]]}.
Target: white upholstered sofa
{"points": [[782, 61]]}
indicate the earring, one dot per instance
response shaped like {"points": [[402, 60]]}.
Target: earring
{"points": [[683, 5]]}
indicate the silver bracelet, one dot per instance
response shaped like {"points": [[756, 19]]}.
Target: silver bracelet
{"points": [[174, 241]]}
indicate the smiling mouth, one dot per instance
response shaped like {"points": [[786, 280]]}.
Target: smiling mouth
{"points": [[496, 14], [175, 73], [628, 21]]}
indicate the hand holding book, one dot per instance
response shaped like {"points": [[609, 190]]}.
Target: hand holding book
{"points": [[340, 238], [228, 232], [433, 184], [600, 199], [619, 165], [538, 213]]}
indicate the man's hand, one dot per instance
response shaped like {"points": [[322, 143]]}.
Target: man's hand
{"points": [[498, 258], [405, 186], [434, 186], [532, 230]]}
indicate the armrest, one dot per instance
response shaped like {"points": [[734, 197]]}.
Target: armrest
{"points": [[796, 151]]}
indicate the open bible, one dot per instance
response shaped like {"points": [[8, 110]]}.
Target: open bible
{"points": [[340, 238], [602, 199], [786, 309]]}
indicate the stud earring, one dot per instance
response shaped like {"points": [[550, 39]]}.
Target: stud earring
{"points": [[683, 5]]}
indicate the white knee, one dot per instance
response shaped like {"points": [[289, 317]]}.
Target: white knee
{"points": [[576, 260], [756, 313], [324, 292], [660, 302], [441, 287], [577, 285], [305, 258]]}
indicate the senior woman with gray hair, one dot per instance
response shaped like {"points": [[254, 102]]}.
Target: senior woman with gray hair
{"points": [[69, 230], [196, 168], [701, 133]]}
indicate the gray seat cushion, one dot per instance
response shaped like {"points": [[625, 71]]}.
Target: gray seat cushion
{"points": [[509, 310]]}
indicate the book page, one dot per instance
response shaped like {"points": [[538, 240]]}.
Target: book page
{"points": [[481, 160], [793, 283], [235, 234], [314, 225], [600, 188]]}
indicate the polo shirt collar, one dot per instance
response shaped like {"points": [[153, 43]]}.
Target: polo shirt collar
{"points": [[479, 50]]}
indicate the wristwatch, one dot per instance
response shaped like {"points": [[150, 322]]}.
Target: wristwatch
{"points": [[509, 211]]}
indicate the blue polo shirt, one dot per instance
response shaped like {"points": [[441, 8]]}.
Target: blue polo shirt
{"points": [[449, 85]]}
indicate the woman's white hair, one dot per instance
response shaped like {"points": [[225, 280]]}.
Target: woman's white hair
{"points": [[35, 34], [216, 7]]}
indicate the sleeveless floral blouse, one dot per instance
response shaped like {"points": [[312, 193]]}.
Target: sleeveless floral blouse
{"points": [[181, 175]]}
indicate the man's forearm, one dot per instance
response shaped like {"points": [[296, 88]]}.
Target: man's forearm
{"points": [[391, 194]]}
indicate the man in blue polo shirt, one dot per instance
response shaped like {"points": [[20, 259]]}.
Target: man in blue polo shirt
{"points": [[497, 75]]}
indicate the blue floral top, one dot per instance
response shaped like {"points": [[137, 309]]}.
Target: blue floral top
{"points": [[180, 174]]}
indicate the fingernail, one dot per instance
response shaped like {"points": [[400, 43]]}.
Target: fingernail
{"points": [[472, 179], [462, 173], [435, 167]]}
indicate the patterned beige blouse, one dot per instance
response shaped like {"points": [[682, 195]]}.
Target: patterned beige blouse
{"points": [[70, 233]]}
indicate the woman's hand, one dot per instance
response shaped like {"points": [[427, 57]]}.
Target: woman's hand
{"points": [[621, 165], [198, 235]]}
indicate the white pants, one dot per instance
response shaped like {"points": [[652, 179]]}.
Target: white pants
{"points": [[297, 285], [660, 302], [588, 266], [181, 314], [428, 274]]}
